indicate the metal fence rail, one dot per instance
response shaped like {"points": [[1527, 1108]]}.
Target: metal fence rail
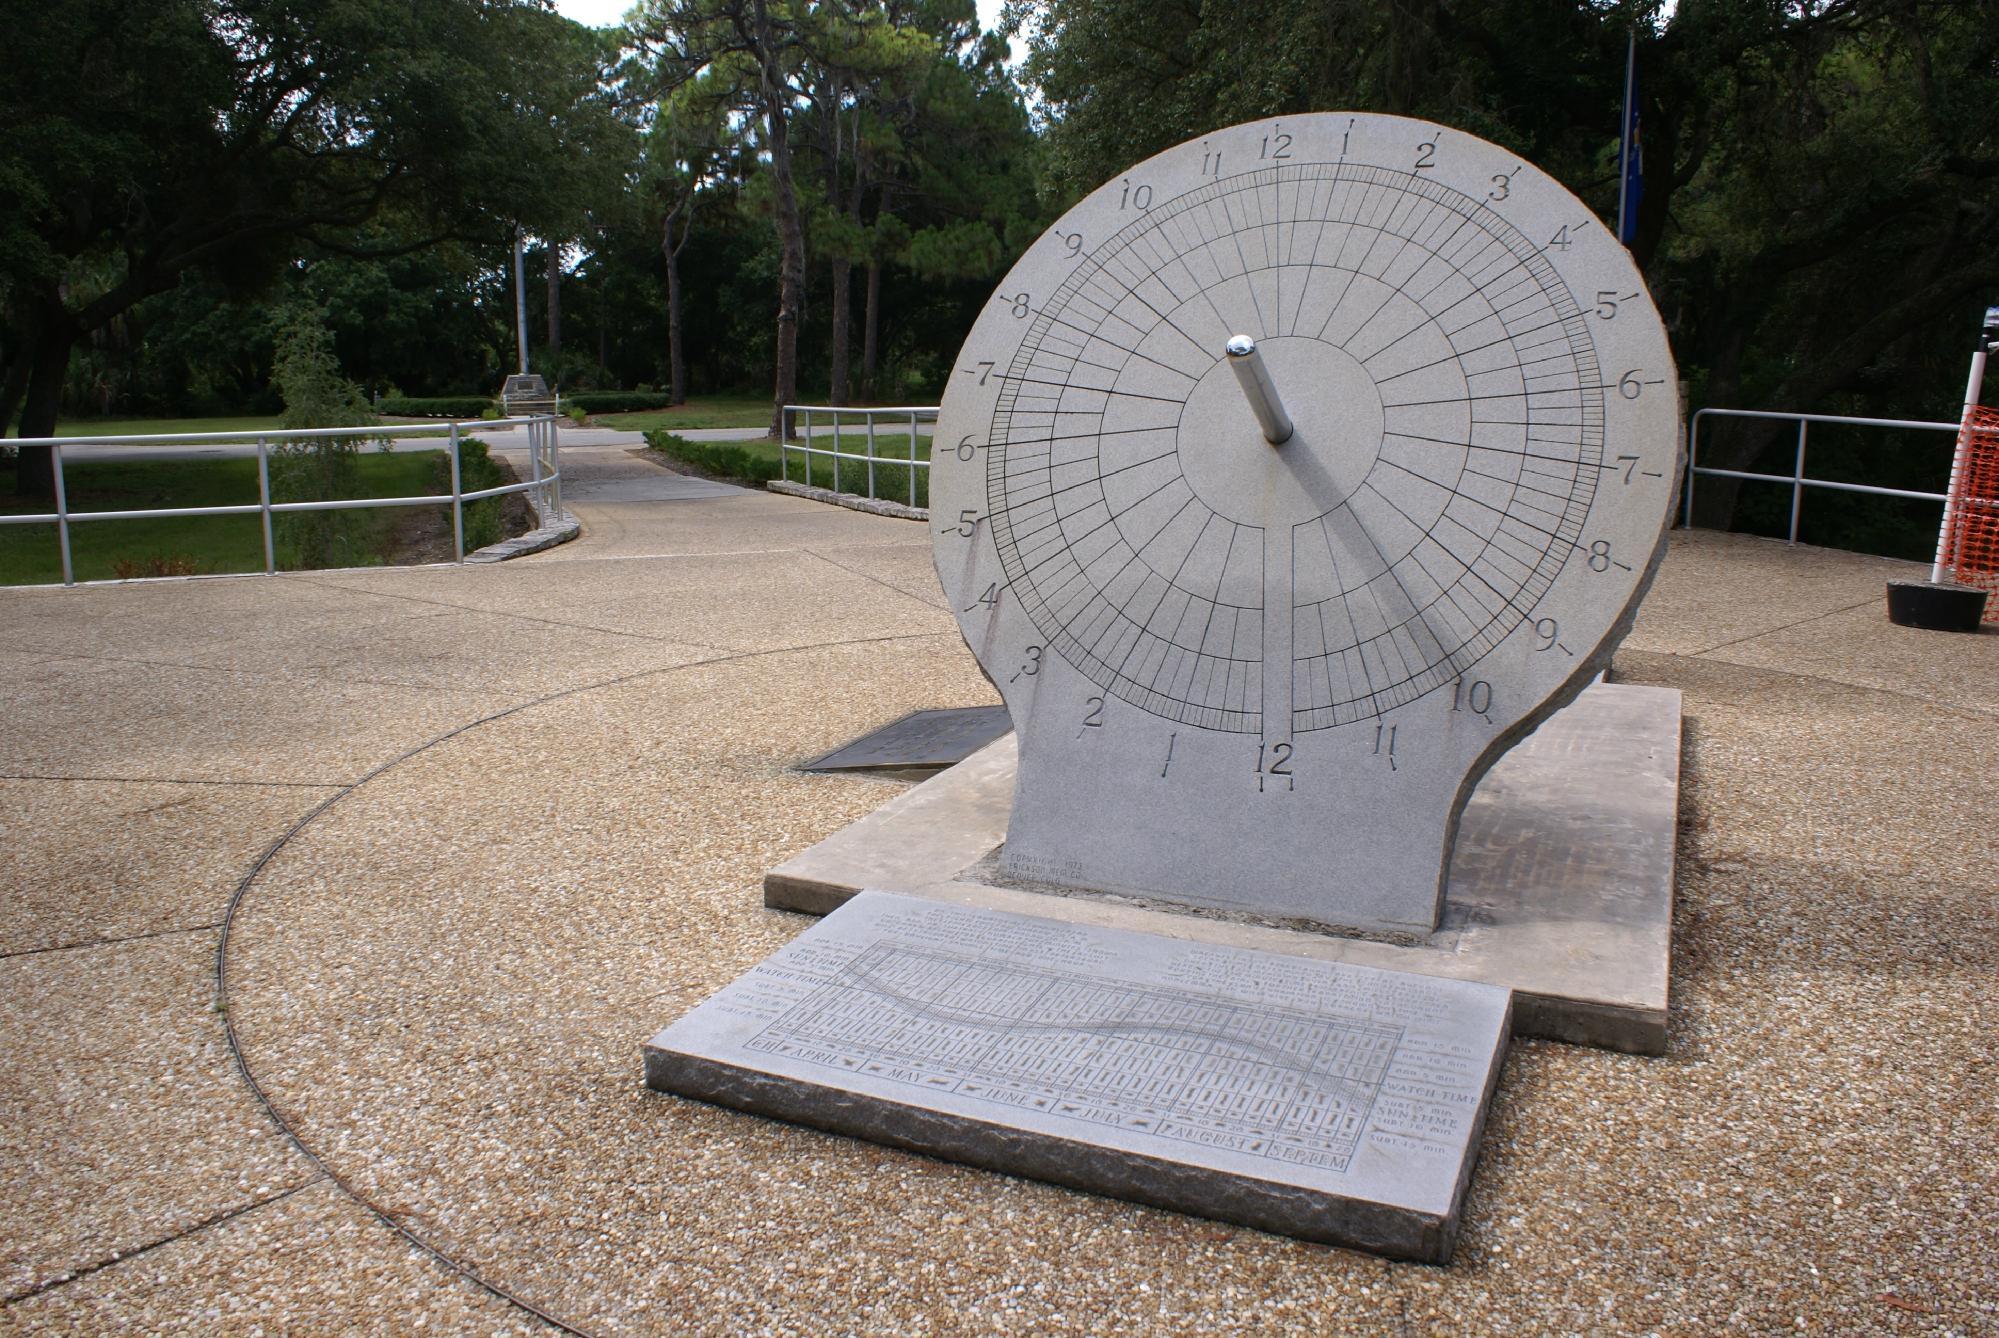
{"points": [[1797, 478], [543, 454], [839, 416]]}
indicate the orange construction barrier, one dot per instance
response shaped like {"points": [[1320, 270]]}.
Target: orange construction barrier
{"points": [[1969, 551]]}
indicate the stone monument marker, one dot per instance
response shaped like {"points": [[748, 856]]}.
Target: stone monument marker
{"points": [[1286, 481]]}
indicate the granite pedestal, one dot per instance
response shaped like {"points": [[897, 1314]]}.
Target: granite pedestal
{"points": [[1560, 887]]}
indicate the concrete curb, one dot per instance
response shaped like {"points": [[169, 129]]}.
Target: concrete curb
{"points": [[548, 534], [874, 506]]}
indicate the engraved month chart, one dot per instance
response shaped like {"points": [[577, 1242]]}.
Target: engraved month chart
{"points": [[1272, 1068], [1262, 1081]]}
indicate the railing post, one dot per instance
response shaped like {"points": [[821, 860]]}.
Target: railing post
{"points": [[806, 449], [62, 516], [836, 450], [553, 440], [264, 502], [871, 453], [1693, 443], [1798, 480], [457, 501], [912, 459], [534, 467]]}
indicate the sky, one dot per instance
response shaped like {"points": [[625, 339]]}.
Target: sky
{"points": [[604, 13], [594, 13]]}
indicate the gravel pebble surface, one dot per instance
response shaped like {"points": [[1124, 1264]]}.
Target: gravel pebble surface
{"points": [[309, 1262], [126, 1122], [443, 980], [90, 860]]}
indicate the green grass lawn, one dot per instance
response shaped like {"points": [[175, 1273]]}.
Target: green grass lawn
{"points": [[107, 549], [700, 411], [891, 479], [712, 411], [140, 427], [135, 427]]}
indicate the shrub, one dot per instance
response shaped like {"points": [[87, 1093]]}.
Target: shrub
{"points": [[436, 406], [477, 471], [307, 377], [716, 458]]}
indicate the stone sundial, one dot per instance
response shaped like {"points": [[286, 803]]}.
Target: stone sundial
{"points": [[1285, 482]]}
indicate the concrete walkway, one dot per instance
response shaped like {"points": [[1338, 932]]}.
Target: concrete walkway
{"points": [[339, 904]]}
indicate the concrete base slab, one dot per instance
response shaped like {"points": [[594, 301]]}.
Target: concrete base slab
{"points": [[1332, 1102], [921, 739], [1560, 888]]}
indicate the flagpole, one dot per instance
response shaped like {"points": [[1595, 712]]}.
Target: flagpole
{"points": [[1624, 135], [520, 303]]}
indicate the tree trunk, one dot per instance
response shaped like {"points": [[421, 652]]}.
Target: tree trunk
{"points": [[55, 335], [843, 284], [870, 324], [676, 354], [554, 309], [13, 385]]}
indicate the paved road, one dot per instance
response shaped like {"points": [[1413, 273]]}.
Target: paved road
{"points": [[339, 904]]}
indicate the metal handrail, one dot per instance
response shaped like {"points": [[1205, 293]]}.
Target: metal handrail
{"points": [[1796, 478], [914, 413], [544, 454]]}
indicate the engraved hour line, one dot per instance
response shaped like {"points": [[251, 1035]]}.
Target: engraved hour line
{"points": [[1085, 291], [1200, 248], [1498, 395], [1096, 588], [1460, 354], [1093, 390], [1077, 569], [1470, 568], [1505, 450], [1144, 625], [1393, 573], [1235, 236], [1433, 255], [1098, 335]]}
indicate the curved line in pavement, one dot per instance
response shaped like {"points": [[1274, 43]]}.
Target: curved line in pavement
{"points": [[243, 886]]}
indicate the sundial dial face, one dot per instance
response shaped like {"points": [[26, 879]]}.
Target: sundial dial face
{"points": [[1263, 617]]}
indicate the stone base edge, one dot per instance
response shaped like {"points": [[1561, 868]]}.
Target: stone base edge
{"points": [[874, 506], [1264, 1205], [534, 541]]}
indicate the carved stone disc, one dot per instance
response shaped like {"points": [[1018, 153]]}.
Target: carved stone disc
{"points": [[1260, 678]]}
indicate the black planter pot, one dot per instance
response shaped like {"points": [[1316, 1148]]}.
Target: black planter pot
{"points": [[1935, 606]]}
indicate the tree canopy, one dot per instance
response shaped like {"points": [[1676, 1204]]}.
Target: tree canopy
{"points": [[729, 195], [150, 141]]}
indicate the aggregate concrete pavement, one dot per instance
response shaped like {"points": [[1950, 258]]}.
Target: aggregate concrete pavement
{"points": [[340, 904]]}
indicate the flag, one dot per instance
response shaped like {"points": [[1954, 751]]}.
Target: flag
{"points": [[1631, 155]]}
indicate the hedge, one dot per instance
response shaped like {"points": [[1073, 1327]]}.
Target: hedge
{"points": [[719, 459], [618, 401], [470, 406], [435, 406]]}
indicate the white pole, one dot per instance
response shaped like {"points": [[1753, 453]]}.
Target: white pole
{"points": [[1974, 387], [520, 303]]}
